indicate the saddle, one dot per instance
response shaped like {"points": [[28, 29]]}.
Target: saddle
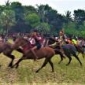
{"points": [[26, 47]]}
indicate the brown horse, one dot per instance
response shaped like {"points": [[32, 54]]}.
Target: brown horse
{"points": [[44, 52], [6, 49], [80, 50], [68, 49], [51, 41]]}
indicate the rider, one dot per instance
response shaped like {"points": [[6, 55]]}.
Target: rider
{"points": [[61, 39], [37, 43]]}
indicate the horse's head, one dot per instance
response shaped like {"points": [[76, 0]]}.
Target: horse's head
{"points": [[20, 41]]}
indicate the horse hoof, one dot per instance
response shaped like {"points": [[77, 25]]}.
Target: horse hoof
{"points": [[16, 67], [59, 63], [52, 71], [37, 71], [10, 66], [81, 65], [67, 64]]}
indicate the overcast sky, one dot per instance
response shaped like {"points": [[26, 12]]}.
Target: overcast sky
{"points": [[60, 5]]}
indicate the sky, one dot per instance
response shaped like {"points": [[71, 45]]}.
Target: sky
{"points": [[62, 6]]}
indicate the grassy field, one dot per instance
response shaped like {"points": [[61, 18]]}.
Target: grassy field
{"points": [[73, 74]]}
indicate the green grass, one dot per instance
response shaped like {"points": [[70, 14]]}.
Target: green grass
{"points": [[73, 74]]}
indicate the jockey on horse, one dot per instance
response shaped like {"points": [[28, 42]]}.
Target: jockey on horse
{"points": [[61, 40], [35, 41]]}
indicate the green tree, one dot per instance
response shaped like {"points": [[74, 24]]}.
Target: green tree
{"points": [[70, 28], [18, 9], [43, 28], [7, 19], [1, 9], [29, 10], [32, 19], [50, 16], [68, 17], [79, 17]]}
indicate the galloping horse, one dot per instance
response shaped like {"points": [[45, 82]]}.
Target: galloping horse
{"points": [[80, 50], [51, 41], [68, 49], [6, 49], [44, 52]]}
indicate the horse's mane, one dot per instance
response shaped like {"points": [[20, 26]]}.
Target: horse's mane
{"points": [[22, 38]]}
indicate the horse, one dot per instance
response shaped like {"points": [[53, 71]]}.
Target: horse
{"points": [[6, 49], [44, 52], [51, 41], [80, 50], [78, 46], [68, 49], [47, 42]]}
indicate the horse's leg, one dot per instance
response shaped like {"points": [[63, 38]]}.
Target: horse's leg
{"points": [[12, 59], [60, 60], [44, 64], [51, 63], [57, 51], [16, 65], [69, 61], [83, 55], [19, 50], [82, 52], [69, 57], [78, 53], [68, 54], [74, 54], [62, 56]]}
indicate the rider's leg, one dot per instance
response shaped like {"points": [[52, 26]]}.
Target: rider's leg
{"points": [[61, 50], [53, 45], [32, 50]]}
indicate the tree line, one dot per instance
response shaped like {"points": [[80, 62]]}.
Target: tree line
{"points": [[14, 17]]}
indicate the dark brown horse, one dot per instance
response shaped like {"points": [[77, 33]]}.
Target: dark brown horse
{"points": [[80, 50], [51, 41], [68, 49], [6, 49], [44, 52]]}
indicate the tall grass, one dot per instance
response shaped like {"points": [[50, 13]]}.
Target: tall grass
{"points": [[73, 74]]}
